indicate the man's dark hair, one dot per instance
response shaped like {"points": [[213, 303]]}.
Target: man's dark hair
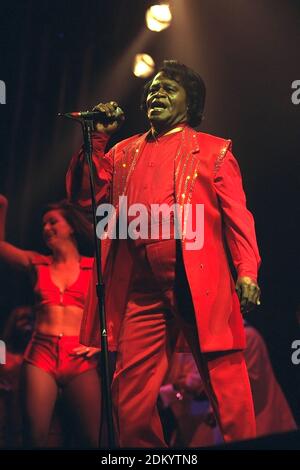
{"points": [[192, 83]]}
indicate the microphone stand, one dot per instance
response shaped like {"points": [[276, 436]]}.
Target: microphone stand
{"points": [[87, 128]]}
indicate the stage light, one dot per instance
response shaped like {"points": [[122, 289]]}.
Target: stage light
{"points": [[158, 17], [143, 65]]}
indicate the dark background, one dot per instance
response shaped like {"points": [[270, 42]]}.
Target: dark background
{"points": [[69, 55]]}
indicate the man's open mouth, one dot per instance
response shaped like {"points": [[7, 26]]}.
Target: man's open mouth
{"points": [[158, 105]]}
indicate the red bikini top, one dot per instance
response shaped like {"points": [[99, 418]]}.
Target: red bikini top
{"points": [[47, 293]]}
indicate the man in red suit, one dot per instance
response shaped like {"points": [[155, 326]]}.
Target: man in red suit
{"points": [[162, 289]]}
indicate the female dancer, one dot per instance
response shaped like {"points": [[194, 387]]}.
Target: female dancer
{"points": [[54, 358]]}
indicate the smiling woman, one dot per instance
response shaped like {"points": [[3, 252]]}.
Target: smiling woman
{"points": [[54, 359]]}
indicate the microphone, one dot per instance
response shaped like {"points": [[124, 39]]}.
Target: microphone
{"points": [[97, 115]]}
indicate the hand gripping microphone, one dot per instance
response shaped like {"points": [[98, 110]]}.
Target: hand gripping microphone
{"points": [[99, 116]]}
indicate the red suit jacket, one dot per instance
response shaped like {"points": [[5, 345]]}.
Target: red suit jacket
{"points": [[205, 173]]}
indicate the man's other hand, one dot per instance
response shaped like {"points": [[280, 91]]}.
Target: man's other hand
{"points": [[248, 293]]}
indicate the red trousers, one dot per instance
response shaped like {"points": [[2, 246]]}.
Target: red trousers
{"points": [[149, 332]]}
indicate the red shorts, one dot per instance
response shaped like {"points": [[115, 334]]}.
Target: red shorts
{"points": [[54, 354]]}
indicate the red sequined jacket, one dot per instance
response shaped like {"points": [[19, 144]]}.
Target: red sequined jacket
{"points": [[205, 173]]}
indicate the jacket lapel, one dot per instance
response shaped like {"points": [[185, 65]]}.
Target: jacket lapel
{"points": [[187, 167], [125, 165]]}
